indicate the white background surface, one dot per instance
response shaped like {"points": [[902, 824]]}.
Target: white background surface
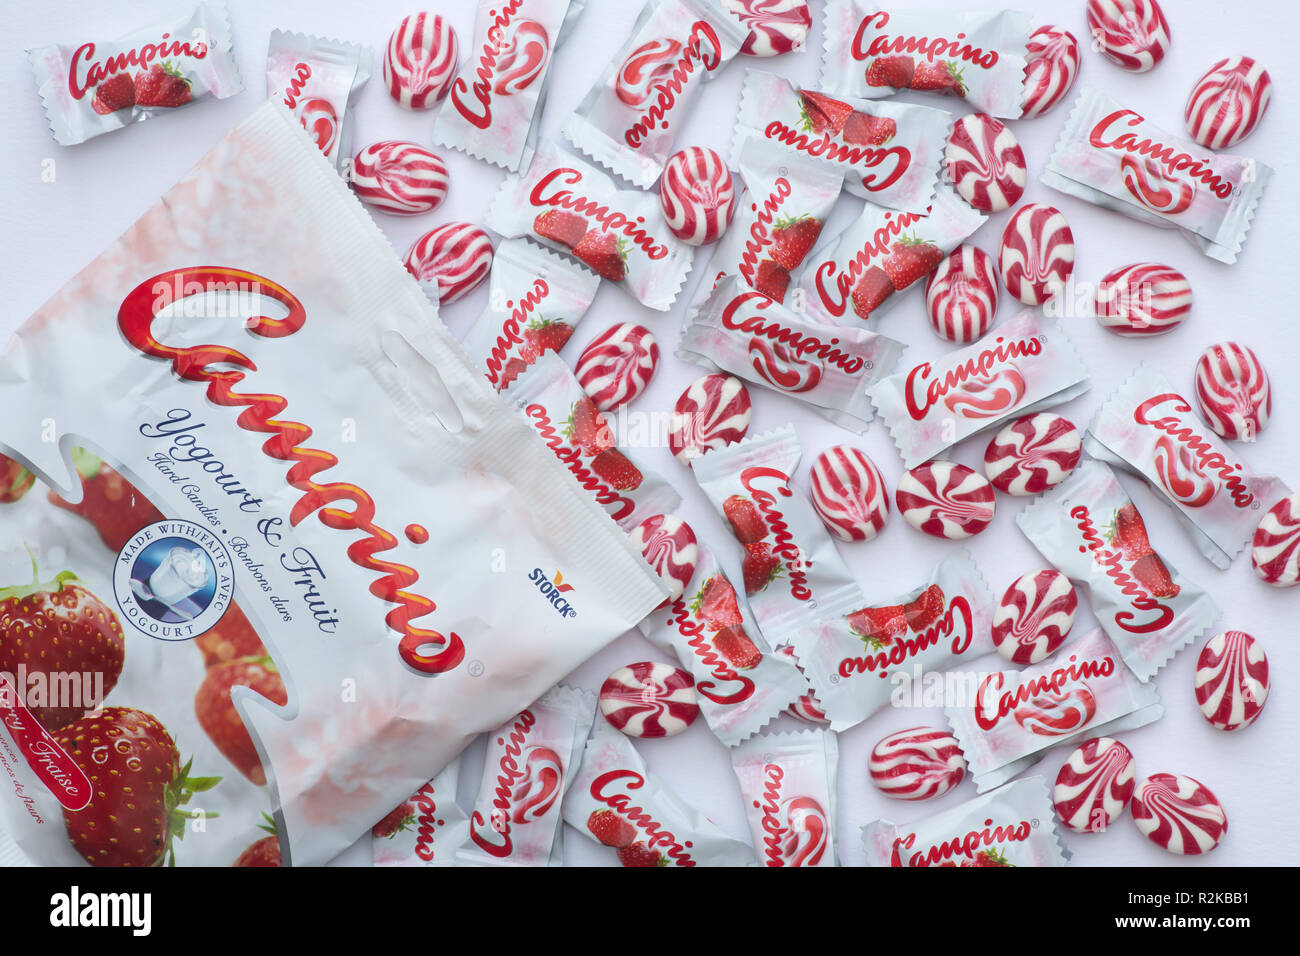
{"points": [[49, 230]]}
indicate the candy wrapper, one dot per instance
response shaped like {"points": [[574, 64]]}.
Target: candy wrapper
{"points": [[528, 769], [553, 402], [788, 784], [89, 87], [620, 234], [1082, 690], [1012, 826], [1112, 157], [858, 274], [1090, 531], [301, 484], [791, 568], [1149, 429], [535, 302], [425, 830], [741, 683], [854, 661], [629, 119], [617, 802], [493, 107], [827, 367], [887, 152], [977, 56], [317, 79], [1024, 365]]}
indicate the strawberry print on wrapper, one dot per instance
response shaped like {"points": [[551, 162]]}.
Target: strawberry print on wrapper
{"points": [[713, 412], [776, 27], [617, 365], [917, 764], [649, 699], [1179, 814], [945, 500], [1275, 549], [1033, 454], [1233, 391], [668, 544], [397, 177], [848, 492], [985, 163], [1132, 34], [1034, 616], [425, 830], [1094, 785], [979, 57], [697, 195], [450, 261], [961, 295], [1232, 680], [1053, 64], [1145, 298], [787, 782], [1228, 102], [420, 61], [1036, 253], [318, 79]]}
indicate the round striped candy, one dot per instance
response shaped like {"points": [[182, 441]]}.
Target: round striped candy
{"points": [[649, 699], [1232, 390], [698, 195], [522, 59], [1228, 102], [645, 69], [1057, 713], [775, 26], [398, 177], [1095, 785], [962, 295], [1032, 454], [1179, 813], [919, 763], [321, 123], [668, 544], [849, 493], [1275, 549], [712, 413], [985, 163], [420, 63], [1034, 617], [1052, 56], [454, 259], [1145, 298], [617, 365], [945, 500], [1232, 680], [1154, 186], [1036, 255], [1132, 34]]}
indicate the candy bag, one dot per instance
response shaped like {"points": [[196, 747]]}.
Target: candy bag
{"points": [[317, 79], [788, 784], [425, 830]]}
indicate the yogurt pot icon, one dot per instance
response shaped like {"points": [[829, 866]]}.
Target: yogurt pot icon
{"points": [[183, 572]]}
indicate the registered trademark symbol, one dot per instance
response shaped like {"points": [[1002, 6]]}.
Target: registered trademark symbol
{"points": [[475, 669], [835, 678], [1033, 824]]}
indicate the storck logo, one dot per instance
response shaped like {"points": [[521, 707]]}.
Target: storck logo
{"points": [[554, 589]]}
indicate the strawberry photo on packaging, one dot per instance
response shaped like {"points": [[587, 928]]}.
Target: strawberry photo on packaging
{"points": [[425, 830], [317, 79], [787, 781]]}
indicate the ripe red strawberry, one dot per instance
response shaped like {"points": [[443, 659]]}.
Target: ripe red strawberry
{"points": [[638, 854], [793, 239], [566, 228], [986, 858], [863, 129], [613, 468], [939, 76], [15, 480], [264, 852], [872, 289], [139, 788], [587, 428], [895, 71], [544, 335], [821, 113], [511, 371], [1152, 574], [1128, 533], [108, 501], [734, 644], [605, 253], [878, 626], [219, 719], [760, 567], [233, 637], [746, 523], [911, 259], [59, 628], [115, 93], [772, 280], [611, 829], [162, 85], [925, 609], [717, 604], [398, 819]]}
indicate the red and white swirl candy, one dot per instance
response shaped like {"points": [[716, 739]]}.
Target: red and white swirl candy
{"points": [[617, 365], [1036, 255], [985, 163], [775, 26], [1052, 62], [1145, 298], [1180, 474], [1032, 454], [668, 544], [1095, 785], [1055, 714], [1034, 617], [783, 369], [649, 699], [698, 195], [1179, 813], [1232, 680], [454, 258], [919, 763], [420, 63], [1132, 34], [945, 500], [987, 396], [1228, 102], [1232, 390], [713, 412], [399, 177], [848, 493], [962, 295], [1154, 186], [321, 123], [523, 58], [1275, 549], [540, 787], [646, 67]]}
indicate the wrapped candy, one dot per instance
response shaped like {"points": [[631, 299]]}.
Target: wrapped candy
{"points": [[318, 79], [788, 783], [425, 830]]}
